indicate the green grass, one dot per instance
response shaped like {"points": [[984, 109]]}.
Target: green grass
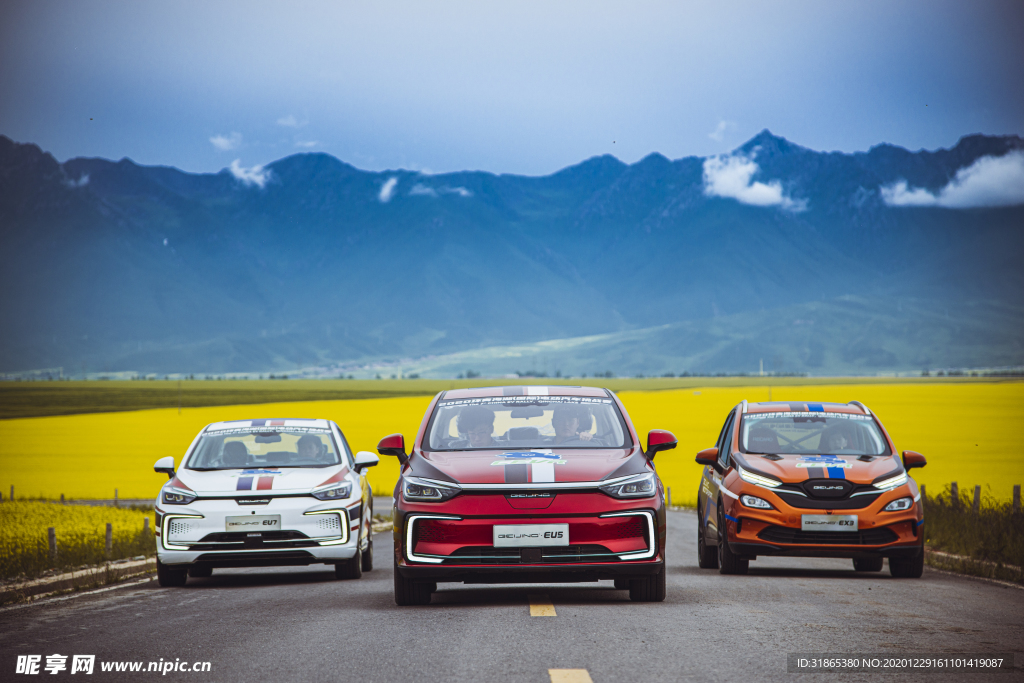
{"points": [[35, 399], [994, 534]]}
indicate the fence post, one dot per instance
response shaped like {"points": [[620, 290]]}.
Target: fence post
{"points": [[62, 499], [110, 539], [51, 537], [12, 493], [145, 526], [1016, 498], [954, 495], [977, 500], [115, 497], [668, 498]]}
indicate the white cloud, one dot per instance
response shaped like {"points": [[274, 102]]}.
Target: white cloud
{"points": [[306, 143], [719, 132], [422, 190], [226, 143], [731, 176], [291, 122], [82, 181], [387, 190], [256, 175], [988, 182]]}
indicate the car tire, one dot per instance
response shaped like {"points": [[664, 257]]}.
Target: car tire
{"points": [[648, 588], [200, 571], [707, 558], [867, 564], [728, 561], [368, 556], [409, 592], [621, 584], [169, 576], [907, 567], [350, 569]]}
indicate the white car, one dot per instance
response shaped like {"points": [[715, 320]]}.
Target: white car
{"points": [[262, 493]]}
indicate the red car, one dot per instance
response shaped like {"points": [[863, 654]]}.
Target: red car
{"points": [[809, 480], [528, 484]]}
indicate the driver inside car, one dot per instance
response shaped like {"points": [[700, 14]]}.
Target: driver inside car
{"points": [[477, 423], [571, 423]]}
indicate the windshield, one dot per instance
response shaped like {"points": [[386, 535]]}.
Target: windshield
{"points": [[247, 447], [527, 422], [813, 433]]}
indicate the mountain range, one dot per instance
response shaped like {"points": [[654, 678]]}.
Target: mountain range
{"points": [[803, 261]]}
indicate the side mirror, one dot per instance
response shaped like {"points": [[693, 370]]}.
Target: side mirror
{"points": [[912, 459], [393, 444], [709, 457], [165, 465], [365, 459], [659, 440]]}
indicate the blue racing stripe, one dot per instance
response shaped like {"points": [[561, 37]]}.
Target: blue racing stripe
{"points": [[920, 523], [731, 519], [836, 472], [815, 408], [244, 484]]}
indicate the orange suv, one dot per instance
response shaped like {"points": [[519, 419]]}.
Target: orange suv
{"points": [[808, 480]]}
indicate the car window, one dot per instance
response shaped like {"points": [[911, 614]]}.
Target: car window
{"points": [[249, 447], [725, 442], [524, 422], [813, 433]]}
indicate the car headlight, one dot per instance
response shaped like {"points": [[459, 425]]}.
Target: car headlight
{"points": [[177, 497], [755, 502], [641, 486], [334, 492], [427, 490], [899, 504], [757, 479], [892, 482]]}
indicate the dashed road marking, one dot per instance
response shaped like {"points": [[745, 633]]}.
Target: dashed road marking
{"points": [[540, 606], [569, 676]]}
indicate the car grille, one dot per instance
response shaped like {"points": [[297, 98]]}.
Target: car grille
{"points": [[570, 554], [781, 534], [237, 540]]}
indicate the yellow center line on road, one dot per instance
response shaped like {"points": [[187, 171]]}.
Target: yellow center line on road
{"points": [[569, 676], [541, 606]]}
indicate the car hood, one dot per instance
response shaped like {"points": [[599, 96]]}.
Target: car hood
{"points": [[527, 466], [798, 468], [267, 481]]}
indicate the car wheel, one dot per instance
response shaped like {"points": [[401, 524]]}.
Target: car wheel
{"points": [[728, 561], [707, 558], [368, 556], [867, 564], [648, 588], [169, 576], [907, 567], [350, 569], [409, 592], [621, 584], [200, 571]]}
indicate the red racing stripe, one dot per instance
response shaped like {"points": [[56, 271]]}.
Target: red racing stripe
{"points": [[265, 483]]}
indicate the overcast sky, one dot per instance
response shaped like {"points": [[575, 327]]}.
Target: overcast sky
{"points": [[518, 87]]}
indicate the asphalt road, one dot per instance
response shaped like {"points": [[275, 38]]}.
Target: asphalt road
{"points": [[299, 624]]}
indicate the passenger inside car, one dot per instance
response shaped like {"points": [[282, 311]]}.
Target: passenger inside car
{"points": [[477, 423], [235, 454]]}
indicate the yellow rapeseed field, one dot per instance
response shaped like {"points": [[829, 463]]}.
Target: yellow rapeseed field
{"points": [[969, 431]]}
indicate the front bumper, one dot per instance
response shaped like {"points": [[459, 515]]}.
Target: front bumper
{"points": [[752, 532], [311, 532], [454, 542]]}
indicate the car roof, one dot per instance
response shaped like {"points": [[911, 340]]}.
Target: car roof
{"points": [[854, 408], [270, 422], [528, 390]]}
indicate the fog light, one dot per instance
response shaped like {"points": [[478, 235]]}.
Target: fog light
{"points": [[755, 502]]}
